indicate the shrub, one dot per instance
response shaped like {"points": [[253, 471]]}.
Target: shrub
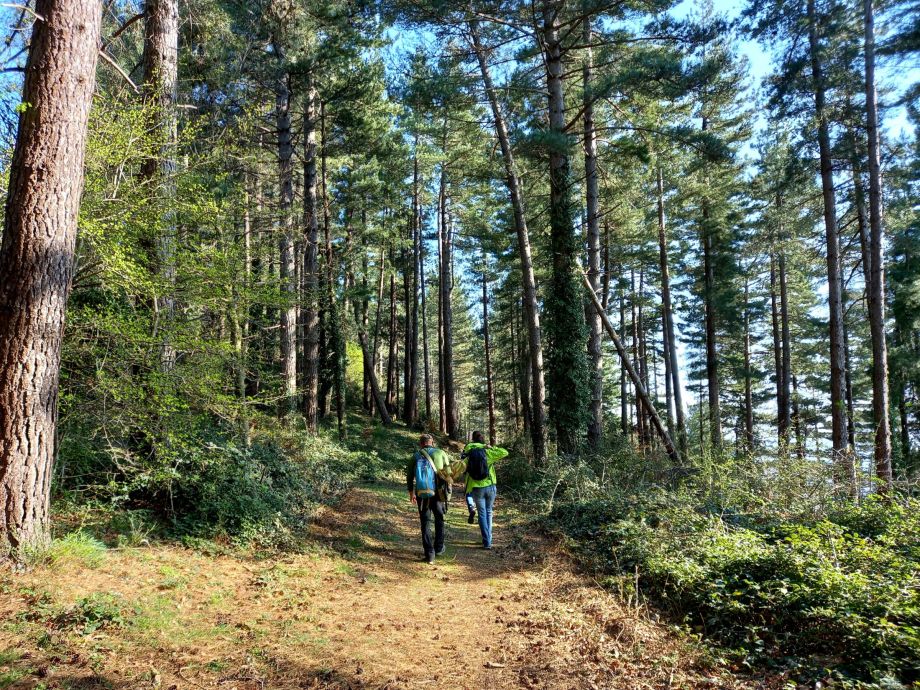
{"points": [[844, 586]]}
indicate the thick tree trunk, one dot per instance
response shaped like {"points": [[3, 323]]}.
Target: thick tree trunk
{"points": [[161, 58], [311, 263], [880, 400], [786, 341], [567, 373], [37, 258], [288, 269], [841, 450], [536, 421], [595, 328]]}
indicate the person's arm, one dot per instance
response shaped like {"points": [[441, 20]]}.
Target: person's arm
{"points": [[494, 453], [410, 478]]}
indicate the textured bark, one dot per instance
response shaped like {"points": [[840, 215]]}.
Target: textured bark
{"points": [[425, 353], [161, 58], [288, 267], [786, 341], [595, 328], [670, 355], [880, 394], [712, 346], [536, 420], [37, 258], [310, 265], [841, 450]]}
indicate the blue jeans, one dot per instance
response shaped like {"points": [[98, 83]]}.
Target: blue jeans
{"points": [[484, 497]]}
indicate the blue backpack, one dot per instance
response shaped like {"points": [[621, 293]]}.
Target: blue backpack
{"points": [[424, 475]]}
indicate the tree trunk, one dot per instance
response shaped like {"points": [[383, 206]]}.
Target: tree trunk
{"points": [[670, 354], [624, 401], [392, 381], [37, 259], [490, 388], [841, 450], [161, 57], [311, 263], [880, 401], [641, 392], [410, 379], [567, 373], [425, 352], [595, 328], [748, 393], [536, 420], [786, 341], [712, 348], [452, 422], [288, 275], [782, 405]]}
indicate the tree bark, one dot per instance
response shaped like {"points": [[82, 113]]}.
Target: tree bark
{"points": [[451, 417], [410, 377], [841, 450], [392, 380], [490, 388], [595, 328], [311, 263], [880, 393], [782, 428], [37, 258], [288, 270], [536, 421], [161, 58], [748, 392]]}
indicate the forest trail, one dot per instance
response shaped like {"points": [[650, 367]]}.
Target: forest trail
{"points": [[357, 609]]}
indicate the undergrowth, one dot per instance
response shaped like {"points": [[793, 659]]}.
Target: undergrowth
{"points": [[821, 588]]}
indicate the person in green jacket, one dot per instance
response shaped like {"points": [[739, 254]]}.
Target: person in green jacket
{"points": [[434, 506], [480, 481]]}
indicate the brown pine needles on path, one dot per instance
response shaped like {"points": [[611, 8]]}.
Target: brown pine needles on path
{"points": [[357, 609]]}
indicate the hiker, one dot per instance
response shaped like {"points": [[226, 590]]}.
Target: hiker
{"points": [[481, 484], [428, 478]]}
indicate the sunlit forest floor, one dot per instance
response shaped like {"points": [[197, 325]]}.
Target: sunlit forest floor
{"points": [[355, 607]]}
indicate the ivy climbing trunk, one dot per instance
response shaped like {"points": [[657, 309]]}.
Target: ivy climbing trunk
{"points": [[567, 371]]}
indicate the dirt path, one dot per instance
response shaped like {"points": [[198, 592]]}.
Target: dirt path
{"points": [[358, 610]]}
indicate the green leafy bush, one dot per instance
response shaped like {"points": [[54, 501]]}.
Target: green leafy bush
{"points": [[843, 587]]}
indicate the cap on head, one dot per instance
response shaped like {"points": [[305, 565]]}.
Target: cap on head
{"points": [[477, 437], [425, 440]]}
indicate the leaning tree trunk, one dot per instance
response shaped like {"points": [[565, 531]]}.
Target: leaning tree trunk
{"points": [[536, 420], [595, 328], [37, 258], [841, 450], [161, 57], [880, 401], [567, 373]]}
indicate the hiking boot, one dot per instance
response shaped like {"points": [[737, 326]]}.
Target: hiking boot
{"points": [[440, 551], [472, 518], [487, 547], [430, 558]]}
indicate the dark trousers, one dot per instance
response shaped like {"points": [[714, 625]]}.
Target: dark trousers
{"points": [[427, 507]]}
